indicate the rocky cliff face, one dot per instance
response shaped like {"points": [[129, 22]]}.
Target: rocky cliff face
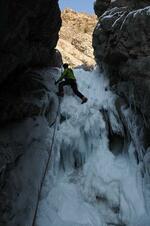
{"points": [[121, 42], [101, 6], [75, 42], [28, 37], [27, 40]]}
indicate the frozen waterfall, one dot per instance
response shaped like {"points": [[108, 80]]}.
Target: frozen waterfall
{"points": [[93, 178]]}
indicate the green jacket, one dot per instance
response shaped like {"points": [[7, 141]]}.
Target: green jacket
{"points": [[67, 74]]}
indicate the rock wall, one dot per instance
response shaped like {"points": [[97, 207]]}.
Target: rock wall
{"points": [[101, 6], [122, 48], [28, 34], [75, 42], [28, 104], [27, 40], [121, 42]]}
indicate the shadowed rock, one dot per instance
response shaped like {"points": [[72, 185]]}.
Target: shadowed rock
{"points": [[100, 6], [28, 34], [121, 44], [28, 104], [122, 50]]}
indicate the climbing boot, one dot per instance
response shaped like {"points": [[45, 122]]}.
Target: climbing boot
{"points": [[84, 100]]}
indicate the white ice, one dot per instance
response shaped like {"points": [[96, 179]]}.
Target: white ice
{"points": [[86, 184]]}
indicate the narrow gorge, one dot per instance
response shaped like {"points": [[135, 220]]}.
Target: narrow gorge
{"points": [[63, 163]]}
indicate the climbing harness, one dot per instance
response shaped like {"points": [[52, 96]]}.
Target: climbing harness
{"points": [[47, 164]]}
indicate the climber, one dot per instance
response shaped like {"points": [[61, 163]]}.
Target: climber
{"points": [[70, 79]]}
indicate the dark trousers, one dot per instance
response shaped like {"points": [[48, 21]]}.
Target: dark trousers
{"points": [[73, 85]]}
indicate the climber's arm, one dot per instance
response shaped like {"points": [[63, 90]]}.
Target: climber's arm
{"points": [[61, 77]]}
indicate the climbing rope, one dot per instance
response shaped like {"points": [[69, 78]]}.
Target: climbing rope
{"points": [[47, 164]]}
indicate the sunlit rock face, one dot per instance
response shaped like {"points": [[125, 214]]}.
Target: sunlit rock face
{"points": [[75, 42], [121, 46]]}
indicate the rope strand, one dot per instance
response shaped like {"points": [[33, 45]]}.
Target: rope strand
{"points": [[47, 164]]}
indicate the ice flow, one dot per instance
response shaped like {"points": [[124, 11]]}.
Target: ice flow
{"points": [[87, 184]]}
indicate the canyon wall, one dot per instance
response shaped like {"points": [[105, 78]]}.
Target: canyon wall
{"points": [[28, 104], [121, 42], [122, 49], [75, 42]]}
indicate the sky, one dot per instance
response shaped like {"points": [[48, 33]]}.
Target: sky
{"points": [[78, 5]]}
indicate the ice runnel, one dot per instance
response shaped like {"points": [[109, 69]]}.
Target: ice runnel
{"points": [[93, 178]]}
